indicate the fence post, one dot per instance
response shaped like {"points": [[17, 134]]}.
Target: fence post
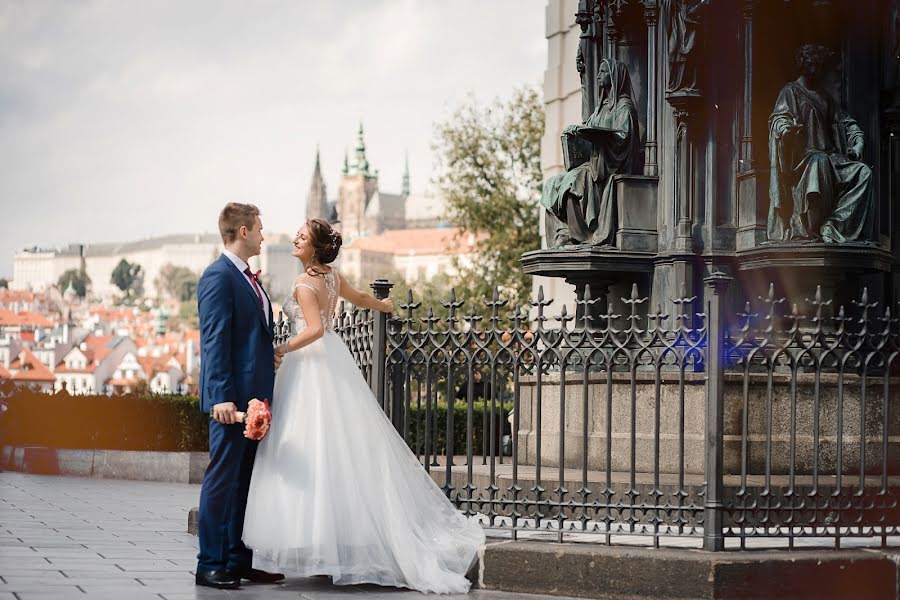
{"points": [[382, 289], [398, 382], [716, 285]]}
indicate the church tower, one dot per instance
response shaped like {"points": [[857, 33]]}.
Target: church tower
{"points": [[358, 184], [404, 189], [316, 199]]}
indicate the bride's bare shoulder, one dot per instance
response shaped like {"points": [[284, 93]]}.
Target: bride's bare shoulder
{"points": [[307, 281]]}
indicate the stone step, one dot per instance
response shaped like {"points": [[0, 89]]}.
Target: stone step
{"points": [[626, 573], [590, 570]]}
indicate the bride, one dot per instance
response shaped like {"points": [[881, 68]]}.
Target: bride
{"points": [[335, 490]]}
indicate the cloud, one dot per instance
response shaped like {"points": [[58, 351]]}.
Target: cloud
{"points": [[123, 120]]}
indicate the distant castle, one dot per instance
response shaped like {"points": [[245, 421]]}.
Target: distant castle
{"points": [[361, 208], [398, 235], [385, 235]]}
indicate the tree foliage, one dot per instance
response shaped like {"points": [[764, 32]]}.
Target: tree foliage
{"points": [[188, 315], [79, 280], [489, 172], [128, 277], [431, 294], [4, 283], [177, 282]]}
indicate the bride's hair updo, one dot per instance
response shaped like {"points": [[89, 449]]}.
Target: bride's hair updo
{"points": [[325, 239]]}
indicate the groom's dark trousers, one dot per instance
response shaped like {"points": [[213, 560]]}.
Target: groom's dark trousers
{"points": [[236, 365]]}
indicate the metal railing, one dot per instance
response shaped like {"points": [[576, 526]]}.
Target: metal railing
{"points": [[706, 426]]}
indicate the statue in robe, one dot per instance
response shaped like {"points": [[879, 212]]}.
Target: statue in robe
{"points": [[684, 24], [819, 189], [580, 203]]}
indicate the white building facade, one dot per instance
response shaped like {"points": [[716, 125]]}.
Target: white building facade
{"points": [[39, 269]]}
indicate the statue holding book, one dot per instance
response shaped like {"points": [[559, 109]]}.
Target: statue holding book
{"points": [[580, 202], [820, 188]]}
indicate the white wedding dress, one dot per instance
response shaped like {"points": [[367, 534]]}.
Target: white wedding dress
{"points": [[336, 491]]}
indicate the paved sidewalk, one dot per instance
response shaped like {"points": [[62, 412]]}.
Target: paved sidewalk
{"points": [[68, 537]]}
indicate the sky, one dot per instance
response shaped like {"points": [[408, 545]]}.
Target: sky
{"points": [[127, 119]]}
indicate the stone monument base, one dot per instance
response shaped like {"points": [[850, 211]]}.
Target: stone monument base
{"points": [[796, 270], [602, 269], [637, 426]]}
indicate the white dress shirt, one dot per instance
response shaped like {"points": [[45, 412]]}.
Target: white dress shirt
{"points": [[241, 266]]}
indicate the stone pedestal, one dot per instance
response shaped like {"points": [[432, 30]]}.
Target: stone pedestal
{"points": [[636, 230], [760, 408], [596, 267], [795, 270]]}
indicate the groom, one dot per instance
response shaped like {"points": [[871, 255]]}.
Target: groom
{"points": [[237, 364]]}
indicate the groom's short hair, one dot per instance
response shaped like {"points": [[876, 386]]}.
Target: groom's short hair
{"points": [[233, 216]]}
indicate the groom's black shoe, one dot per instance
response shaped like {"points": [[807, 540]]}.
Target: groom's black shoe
{"points": [[221, 580], [256, 576]]}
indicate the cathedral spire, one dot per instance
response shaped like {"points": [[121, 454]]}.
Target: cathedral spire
{"points": [[316, 199], [361, 164], [404, 190], [346, 169]]}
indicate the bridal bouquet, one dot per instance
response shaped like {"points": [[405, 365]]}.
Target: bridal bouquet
{"points": [[256, 420]]}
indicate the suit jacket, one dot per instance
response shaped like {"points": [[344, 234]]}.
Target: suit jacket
{"points": [[237, 360]]}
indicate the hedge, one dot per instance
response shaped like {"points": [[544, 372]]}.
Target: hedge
{"points": [[417, 417], [175, 424], [124, 422]]}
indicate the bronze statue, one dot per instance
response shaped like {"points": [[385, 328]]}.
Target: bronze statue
{"points": [[685, 20], [580, 202], [819, 189]]}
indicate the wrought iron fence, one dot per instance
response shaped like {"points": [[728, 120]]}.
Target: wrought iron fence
{"points": [[697, 424]]}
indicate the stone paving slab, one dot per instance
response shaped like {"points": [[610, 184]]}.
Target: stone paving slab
{"points": [[95, 539]]}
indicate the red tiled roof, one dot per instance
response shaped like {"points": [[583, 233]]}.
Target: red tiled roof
{"points": [[10, 296], [149, 365], [122, 381], [97, 349], [441, 240], [23, 318], [28, 368]]}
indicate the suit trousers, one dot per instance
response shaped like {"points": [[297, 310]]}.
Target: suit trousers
{"points": [[223, 499]]}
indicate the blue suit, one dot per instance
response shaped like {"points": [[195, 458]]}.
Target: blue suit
{"points": [[237, 364]]}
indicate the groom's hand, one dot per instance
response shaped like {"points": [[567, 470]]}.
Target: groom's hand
{"points": [[280, 351], [224, 413]]}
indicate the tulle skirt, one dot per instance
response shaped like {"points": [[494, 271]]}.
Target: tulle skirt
{"points": [[336, 491]]}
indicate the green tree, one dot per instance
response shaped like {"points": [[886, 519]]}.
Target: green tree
{"points": [[79, 280], [430, 294], [489, 172], [179, 283], [188, 315], [128, 277], [4, 284]]}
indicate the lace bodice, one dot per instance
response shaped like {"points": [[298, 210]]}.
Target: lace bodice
{"points": [[294, 313]]}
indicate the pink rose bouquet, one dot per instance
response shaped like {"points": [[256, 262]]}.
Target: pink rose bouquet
{"points": [[256, 420]]}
